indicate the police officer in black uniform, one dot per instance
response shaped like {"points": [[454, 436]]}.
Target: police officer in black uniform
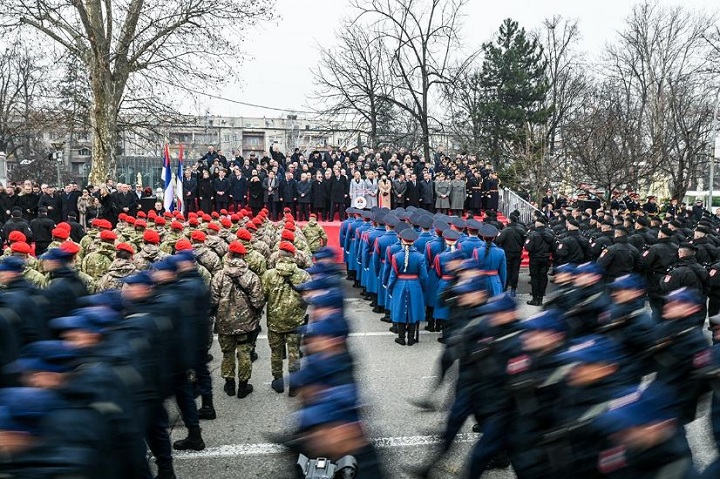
{"points": [[707, 252], [573, 247], [657, 259], [688, 273], [511, 239], [603, 240], [540, 245], [621, 258]]}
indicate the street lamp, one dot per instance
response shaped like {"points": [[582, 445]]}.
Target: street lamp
{"points": [[58, 146]]}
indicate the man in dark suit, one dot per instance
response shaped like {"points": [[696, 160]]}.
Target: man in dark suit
{"points": [[125, 200], [52, 202], [238, 189], [288, 192], [427, 192], [413, 192], [222, 191], [190, 187], [69, 200], [339, 191]]}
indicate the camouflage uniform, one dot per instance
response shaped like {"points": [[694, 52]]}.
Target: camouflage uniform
{"points": [[30, 261], [315, 235], [285, 313], [119, 269], [97, 263], [88, 281], [227, 235], [92, 244], [238, 295], [168, 244], [34, 277], [256, 261], [149, 254], [303, 260], [207, 258], [261, 247], [217, 244]]}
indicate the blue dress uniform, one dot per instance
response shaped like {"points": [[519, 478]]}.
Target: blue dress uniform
{"points": [[371, 274], [425, 235], [350, 243], [444, 278], [433, 248], [344, 231], [491, 260], [408, 276], [355, 246], [471, 242], [379, 257]]}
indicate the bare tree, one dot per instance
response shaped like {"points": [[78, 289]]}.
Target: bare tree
{"points": [[421, 37], [130, 46]]}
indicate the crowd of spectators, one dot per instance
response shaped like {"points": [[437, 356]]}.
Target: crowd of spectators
{"points": [[326, 182]]}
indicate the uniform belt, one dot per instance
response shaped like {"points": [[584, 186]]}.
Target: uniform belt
{"points": [[382, 260], [447, 277], [407, 276], [489, 272]]}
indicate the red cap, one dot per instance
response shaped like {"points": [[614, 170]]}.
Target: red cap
{"points": [[61, 233], [206, 218], [21, 247], [214, 214], [151, 236], [122, 216], [244, 234], [193, 222], [200, 212], [140, 224], [289, 226], [223, 211], [286, 210], [313, 215], [179, 216], [213, 226], [287, 235], [183, 245], [16, 236], [257, 221], [234, 218], [151, 214], [251, 226], [176, 225], [125, 247], [168, 214], [108, 236], [65, 226], [285, 246], [237, 248], [141, 214], [198, 235], [242, 213], [159, 221], [130, 220], [70, 247], [192, 214], [226, 222], [104, 224]]}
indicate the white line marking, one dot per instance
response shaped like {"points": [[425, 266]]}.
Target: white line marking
{"points": [[360, 334], [265, 449]]}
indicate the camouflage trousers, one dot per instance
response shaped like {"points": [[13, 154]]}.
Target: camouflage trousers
{"points": [[278, 341], [232, 346]]}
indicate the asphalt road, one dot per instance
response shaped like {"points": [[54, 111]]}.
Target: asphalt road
{"points": [[388, 374]]}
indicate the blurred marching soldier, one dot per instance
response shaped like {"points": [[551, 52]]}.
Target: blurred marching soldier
{"points": [[121, 267], [539, 244], [491, 260], [408, 276], [237, 297], [22, 315], [511, 239], [657, 259], [687, 273], [65, 288], [285, 312]]}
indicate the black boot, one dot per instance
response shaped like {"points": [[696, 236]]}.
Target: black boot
{"points": [[166, 473], [278, 385], [386, 318], [194, 441], [209, 358], [207, 411], [412, 330], [438, 326], [244, 389], [229, 387], [430, 325], [393, 328], [378, 309], [402, 329], [253, 355], [373, 300]]}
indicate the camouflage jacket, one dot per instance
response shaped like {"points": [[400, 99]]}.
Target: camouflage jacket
{"points": [[255, 260], [315, 236], [238, 294], [168, 244], [35, 278], [149, 254], [217, 244], [30, 261], [119, 269], [261, 247], [97, 263], [227, 235], [207, 258], [301, 259], [285, 307]]}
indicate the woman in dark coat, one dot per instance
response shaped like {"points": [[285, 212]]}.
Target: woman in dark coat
{"points": [[206, 194], [107, 206], [255, 191], [319, 193]]}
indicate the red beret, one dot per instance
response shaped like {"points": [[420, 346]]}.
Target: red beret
{"points": [[17, 236], [65, 226], [242, 213], [70, 247], [168, 214], [313, 215], [289, 226], [234, 218], [286, 210], [125, 247], [176, 225], [151, 214], [61, 233], [179, 216], [104, 224], [257, 221], [122, 216], [251, 226], [244, 234], [223, 211], [160, 221], [200, 212], [237, 248], [108, 236], [141, 214], [140, 224], [285, 246], [198, 235], [151, 236], [226, 222], [21, 247], [213, 226], [130, 220], [287, 235], [214, 214], [193, 222], [192, 214], [182, 245], [207, 218], [95, 222]]}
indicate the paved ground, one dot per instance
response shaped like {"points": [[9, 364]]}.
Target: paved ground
{"points": [[389, 374]]}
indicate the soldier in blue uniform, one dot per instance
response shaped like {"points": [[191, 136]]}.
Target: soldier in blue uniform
{"points": [[408, 276], [349, 245], [442, 273], [491, 259], [370, 274], [471, 242], [382, 243], [433, 248], [356, 250], [389, 253], [344, 233]]}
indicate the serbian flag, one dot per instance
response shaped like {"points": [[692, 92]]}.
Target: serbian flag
{"points": [[169, 192], [179, 202]]}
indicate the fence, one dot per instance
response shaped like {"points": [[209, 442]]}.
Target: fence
{"points": [[511, 201]]}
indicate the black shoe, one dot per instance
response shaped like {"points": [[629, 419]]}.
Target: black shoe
{"points": [[411, 341], [253, 356], [386, 319], [292, 392], [501, 461], [441, 340], [430, 325], [476, 428], [194, 441], [208, 359], [377, 309], [393, 328], [244, 389], [207, 411], [400, 341], [278, 385], [229, 387]]}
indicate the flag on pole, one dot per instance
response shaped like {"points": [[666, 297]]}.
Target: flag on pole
{"points": [[169, 192], [179, 197]]}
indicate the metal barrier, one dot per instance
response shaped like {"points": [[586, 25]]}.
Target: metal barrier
{"points": [[511, 201]]}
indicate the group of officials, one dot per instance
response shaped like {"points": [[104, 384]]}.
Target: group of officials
{"points": [[599, 383], [96, 335]]}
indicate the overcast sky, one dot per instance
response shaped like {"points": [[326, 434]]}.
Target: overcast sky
{"points": [[282, 52]]}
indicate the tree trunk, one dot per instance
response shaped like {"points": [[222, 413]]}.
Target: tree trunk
{"points": [[104, 129]]}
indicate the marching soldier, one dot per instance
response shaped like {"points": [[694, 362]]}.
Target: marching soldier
{"points": [[150, 251], [98, 262], [121, 267], [315, 234]]}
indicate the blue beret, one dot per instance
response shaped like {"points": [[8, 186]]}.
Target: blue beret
{"points": [[637, 407], [322, 370], [56, 254], [143, 277], [451, 235], [628, 281], [458, 254], [325, 252], [590, 267], [592, 349], [488, 231], [332, 298], [324, 269], [185, 255], [167, 264], [565, 268], [316, 284], [478, 283], [112, 298], [336, 404], [470, 263], [550, 320], [498, 304], [52, 356], [333, 325], [12, 263], [684, 295], [97, 319], [409, 234], [23, 408]]}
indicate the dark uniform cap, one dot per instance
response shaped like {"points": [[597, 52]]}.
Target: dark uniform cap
{"points": [[331, 298], [425, 222], [334, 326], [473, 224], [541, 219], [573, 222], [143, 277], [666, 231], [56, 254], [391, 220], [415, 218], [628, 281], [689, 246], [325, 252], [402, 226], [457, 222], [568, 268], [408, 234], [488, 231], [676, 224], [498, 304], [592, 349], [450, 234], [684, 295], [440, 226], [590, 267], [621, 228], [51, 356], [477, 283], [550, 320], [637, 407], [12, 263], [642, 221], [380, 217], [702, 229]]}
